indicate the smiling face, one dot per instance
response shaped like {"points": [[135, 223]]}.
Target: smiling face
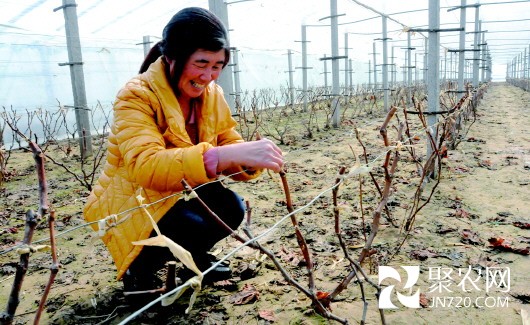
{"points": [[201, 68]]}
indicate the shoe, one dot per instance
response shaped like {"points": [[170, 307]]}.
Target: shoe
{"points": [[204, 262], [133, 282], [211, 259]]}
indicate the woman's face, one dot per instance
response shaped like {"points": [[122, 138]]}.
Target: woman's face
{"points": [[202, 68]]}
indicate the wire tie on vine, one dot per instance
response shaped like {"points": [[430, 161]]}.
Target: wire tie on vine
{"points": [[190, 195], [107, 223], [102, 227], [26, 249]]}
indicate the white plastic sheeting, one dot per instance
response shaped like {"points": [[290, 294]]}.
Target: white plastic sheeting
{"points": [[32, 41]]}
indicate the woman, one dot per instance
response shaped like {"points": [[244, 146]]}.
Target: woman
{"points": [[171, 122]]}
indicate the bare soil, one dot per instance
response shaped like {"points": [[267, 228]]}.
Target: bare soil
{"points": [[483, 194]]}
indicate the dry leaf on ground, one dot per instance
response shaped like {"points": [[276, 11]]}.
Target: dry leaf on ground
{"points": [[422, 254], [503, 245], [424, 301], [470, 237], [267, 315], [522, 224], [248, 294]]}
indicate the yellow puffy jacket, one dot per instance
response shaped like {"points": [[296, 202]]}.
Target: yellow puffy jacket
{"points": [[149, 153]]}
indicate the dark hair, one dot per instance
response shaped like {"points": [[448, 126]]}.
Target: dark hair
{"points": [[188, 30]]}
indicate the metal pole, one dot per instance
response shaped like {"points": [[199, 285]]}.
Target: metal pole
{"points": [[454, 70], [409, 61], [512, 68], [433, 81], [304, 66], [482, 54], [528, 61], [416, 70], [291, 77], [450, 73], [425, 61], [350, 69], [75, 61], [521, 60], [527, 82], [520, 66], [444, 79], [346, 63], [369, 74], [476, 48], [219, 8], [325, 73], [488, 58], [147, 44], [462, 46], [375, 67], [404, 72], [524, 64], [470, 72], [393, 71], [335, 63], [516, 67], [237, 85], [385, 65]]}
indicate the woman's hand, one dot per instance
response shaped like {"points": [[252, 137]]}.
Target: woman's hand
{"points": [[253, 154]]}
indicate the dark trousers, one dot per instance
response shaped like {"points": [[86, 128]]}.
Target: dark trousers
{"points": [[190, 225]]}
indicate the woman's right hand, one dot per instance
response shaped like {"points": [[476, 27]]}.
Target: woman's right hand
{"points": [[252, 154]]}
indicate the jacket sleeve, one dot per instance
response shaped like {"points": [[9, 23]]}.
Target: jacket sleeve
{"points": [[241, 173], [147, 160], [229, 136]]}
